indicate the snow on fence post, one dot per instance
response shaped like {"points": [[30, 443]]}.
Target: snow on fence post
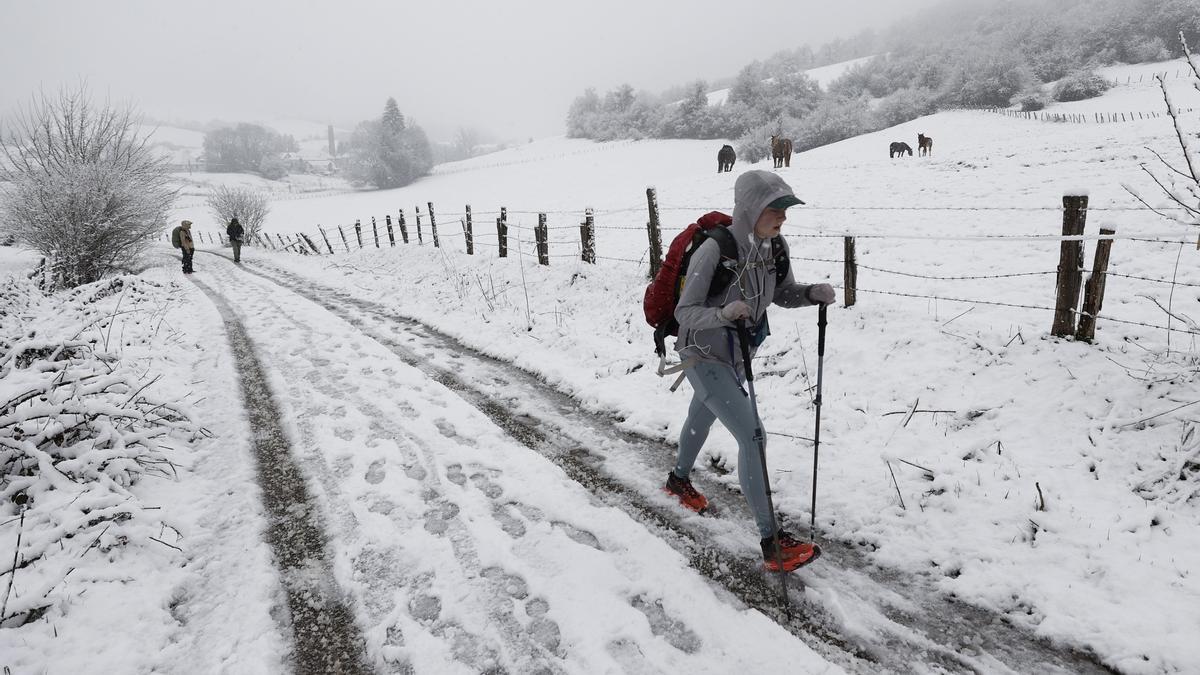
{"points": [[326, 238], [469, 232], [433, 225], [653, 232], [282, 244], [344, 242], [851, 273], [358, 231], [420, 238], [540, 233], [1093, 294], [403, 227], [310, 243], [502, 231], [375, 231], [587, 233], [391, 235], [1070, 266]]}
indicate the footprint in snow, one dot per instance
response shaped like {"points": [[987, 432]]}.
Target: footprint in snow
{"points": [[486, 486], [675, 632], [376, 473], [454, 474], [436, 518], [509, 522], [577, 535]]}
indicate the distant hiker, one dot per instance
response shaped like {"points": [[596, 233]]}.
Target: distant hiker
{"points": [[181, 238], [708, 344], [235, 232]]}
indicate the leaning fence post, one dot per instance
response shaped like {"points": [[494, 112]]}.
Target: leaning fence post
{"points": [[851, 273], [654, 232], [1093, 294], [420, 239], [469, 232], [375, 230], [282, 244], [326, 238], [391, 235], [403, 228], [502, 231], [358, 231], [1070, 266], [220, 239], [541, 233], [311, 244], [344, 242], [433, 225], [587, 233]]}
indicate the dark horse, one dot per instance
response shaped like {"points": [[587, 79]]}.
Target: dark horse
{"points": [[924, 145], [725, 158], [781, 151], [899, 148]]}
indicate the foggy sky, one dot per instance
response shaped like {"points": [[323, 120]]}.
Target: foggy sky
{"points": [[507, 67]]}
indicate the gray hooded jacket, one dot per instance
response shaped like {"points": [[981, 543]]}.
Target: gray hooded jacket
{"points": [[703, 334]]}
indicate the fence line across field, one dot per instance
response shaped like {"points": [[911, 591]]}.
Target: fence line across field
{"points": [[507, 232]]}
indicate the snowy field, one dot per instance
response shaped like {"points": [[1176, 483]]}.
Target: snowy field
{"points": [[1052, 482]]}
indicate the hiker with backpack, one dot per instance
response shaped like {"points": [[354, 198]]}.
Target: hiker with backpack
{"points": [[235, 232], [181, 238], [733, 273]]}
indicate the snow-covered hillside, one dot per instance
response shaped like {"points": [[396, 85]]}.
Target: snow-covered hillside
{"points": [[1053, 484]]}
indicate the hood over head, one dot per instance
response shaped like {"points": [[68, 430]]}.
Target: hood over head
{"points": [[753, 192]]}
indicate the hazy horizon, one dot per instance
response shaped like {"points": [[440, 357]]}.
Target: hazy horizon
{"points": [[510, 72]]}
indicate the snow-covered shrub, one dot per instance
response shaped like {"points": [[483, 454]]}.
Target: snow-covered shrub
{"points": [[1080, 85], [77, 432], [250, 207], [85, 191], [905, 105], [1031, 102]]}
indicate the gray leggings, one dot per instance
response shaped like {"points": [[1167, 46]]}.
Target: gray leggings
{"points": [[718, 395]]}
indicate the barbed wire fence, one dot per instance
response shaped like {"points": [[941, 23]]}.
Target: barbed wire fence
{"points": [[1076, 308]]}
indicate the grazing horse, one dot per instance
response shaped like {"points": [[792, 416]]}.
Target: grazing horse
{"points": [[924, 145], [725, 158], [781, 151], [899, 148]]}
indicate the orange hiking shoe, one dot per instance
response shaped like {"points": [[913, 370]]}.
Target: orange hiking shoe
{"points": [[793, 552], [688, 496]]}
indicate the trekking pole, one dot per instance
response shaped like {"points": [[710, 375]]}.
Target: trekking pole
{"points": [[744, 339], [812, 523]]}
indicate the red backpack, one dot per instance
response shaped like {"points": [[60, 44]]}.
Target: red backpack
{"points": [[663, 292]]}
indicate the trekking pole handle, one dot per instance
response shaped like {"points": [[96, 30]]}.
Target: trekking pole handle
{"points": [[821, 311], [744, 339]]}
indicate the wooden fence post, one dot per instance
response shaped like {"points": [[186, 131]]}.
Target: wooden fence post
{"points": [[851, 273], [375, 231], [310, 243], [358, 231], [344, 242], [1070, 266], [433, 225], [420, 239], [502, 231], [282, 243], [220, 238], [326, 238], [587, 233], [654, 232], [1093, 294], [540, 233], [403, 228], [391, 235], [469, 232]]}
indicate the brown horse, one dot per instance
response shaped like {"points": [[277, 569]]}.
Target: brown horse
{"points": [[924, 145], [899, 148], [781, 151], [725, 158]]}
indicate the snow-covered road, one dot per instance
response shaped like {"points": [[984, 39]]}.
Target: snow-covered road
{"points": [[463, 550], [347, 366]]}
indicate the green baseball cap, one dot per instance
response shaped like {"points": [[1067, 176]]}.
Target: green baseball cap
{"points": [[784, 202]]}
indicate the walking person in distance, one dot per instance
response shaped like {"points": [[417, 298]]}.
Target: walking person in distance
{"points": [[235, 233]]}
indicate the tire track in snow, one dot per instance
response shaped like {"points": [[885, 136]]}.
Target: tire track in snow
{"points": [[896, 621], [493, 590], [326, 638]]}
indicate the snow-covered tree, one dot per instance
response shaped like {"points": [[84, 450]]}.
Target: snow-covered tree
{"points": [[250, 207], [84, 189], [387, 152]]}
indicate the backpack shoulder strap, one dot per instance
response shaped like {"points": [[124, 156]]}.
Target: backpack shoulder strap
{"points": [[783, 263], [726, 267]]}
